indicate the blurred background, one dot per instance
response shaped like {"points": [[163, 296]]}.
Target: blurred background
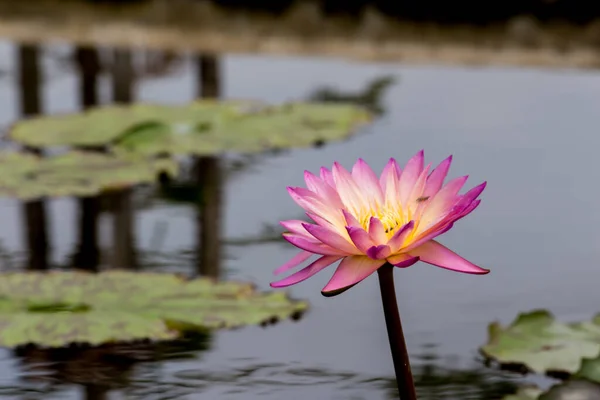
{"points": [[510, 88]]}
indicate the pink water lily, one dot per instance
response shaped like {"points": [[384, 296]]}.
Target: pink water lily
{"points": [[366, 221]]}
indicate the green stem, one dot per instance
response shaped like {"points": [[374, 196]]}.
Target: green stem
{"points": [[404, 378]]}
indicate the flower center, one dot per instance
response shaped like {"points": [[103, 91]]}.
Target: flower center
{"points": [[391, 219]]}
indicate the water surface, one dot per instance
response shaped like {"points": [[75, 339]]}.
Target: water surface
{"points": [[532, 135]]}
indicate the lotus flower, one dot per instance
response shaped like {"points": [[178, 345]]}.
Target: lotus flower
{"points": [[366, 221]]}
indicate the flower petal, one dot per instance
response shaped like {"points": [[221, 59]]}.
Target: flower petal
{"points": [[389, 180], [295, 226], [427, 236], [327, 176], [402, 260], [379, 252], [377, 231], [391, 167], [351, 219], [312, 247], [349, 192], [441, 204], [331, 238], [296, 260], [436, 254], [327, 193], [368, 182], [470, 196], [437, 177], [350, 271], [413, 202], [307, 272], [410, 174], [360, 238], [313, 203], [399, 237]]}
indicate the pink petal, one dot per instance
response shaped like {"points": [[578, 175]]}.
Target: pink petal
{"points": [[434, 253], [350, 271], [441, 204], [360, 238], [351, 219], [390, 179], [296, 260], [295, 226], [399, 237], [331, 238], [312, 247], [349, 192], [377, 231], [391, 168], [410, 174], [322, 189], [327, 176], [471, 195], [430, 234], [402, 260], [446, 221], [437, 177], [318, 220], [468, 209], [307, 272], [314, 204], [417, 191], [367, 181], [379, 252]]}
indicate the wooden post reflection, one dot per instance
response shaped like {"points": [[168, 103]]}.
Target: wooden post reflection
{"points": [[124, 254], [87, 255], [34, 212], [95, 392], [209, 177]]}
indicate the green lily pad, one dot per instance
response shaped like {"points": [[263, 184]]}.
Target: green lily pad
{"points": [[202, 128], [525, 393], [103, 125], [589, 370], [538, 342], [58, 308], [75, 173]]}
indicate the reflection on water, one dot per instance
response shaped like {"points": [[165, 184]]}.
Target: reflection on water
{"points": [[371, 97], [209, 177], [99, 370], [136, 372], [87, 253], [123, 233], [34, 212]]}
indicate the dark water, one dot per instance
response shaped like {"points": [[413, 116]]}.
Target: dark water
{"points": [[532, 135]]}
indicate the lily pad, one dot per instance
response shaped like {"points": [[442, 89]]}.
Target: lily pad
{"points": [[538, 342], [589, 370], [75, 173], [525, 393], [59, 308], [202, 128]]}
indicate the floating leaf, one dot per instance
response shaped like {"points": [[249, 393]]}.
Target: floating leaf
{"points": [[572, 390], [525, 393], [75, 173], [589, 370], [57, 308], [102, 125], [538, 342], [203, 127]]}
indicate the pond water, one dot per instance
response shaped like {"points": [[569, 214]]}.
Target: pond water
{"points": [[533, 135]]}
